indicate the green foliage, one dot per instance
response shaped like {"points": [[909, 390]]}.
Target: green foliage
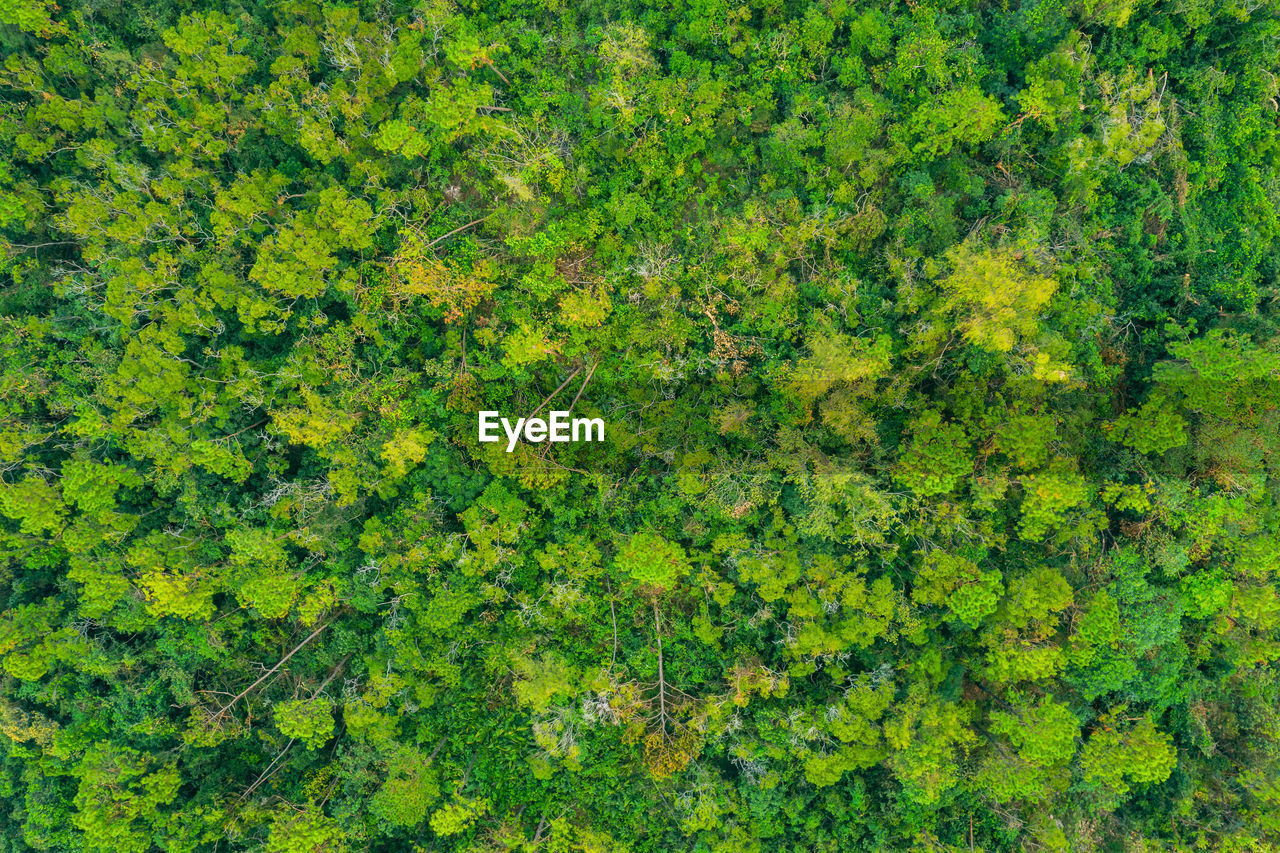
{"points": [[1047, 498], [1026, 439], [996, 300], [1043, 734], [928, 738], [1113, 760], [1041, 741], [1152, 428], [1036, 596], [453, 818], [976, 599], [308, 720], [34, 504], [33, 16], [405, 796], [957, 583], [309, 831], [540, 682], [119, 799], [937, 459], [650, 560], [937, 347]]}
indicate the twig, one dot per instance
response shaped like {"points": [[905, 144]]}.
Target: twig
{"points": [[662, 681], [466, 774], [459, 228], [328, 793], [553, 393], [614, 615], [543, 455], [246, 429], [40, 245], [499, 73], [265, 675], [590, 373], [332, 675], [265, 773]]}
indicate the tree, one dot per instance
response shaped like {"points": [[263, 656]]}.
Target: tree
{"points": [[1113, 759], [995, 295], [938, 351], [651, 561]]}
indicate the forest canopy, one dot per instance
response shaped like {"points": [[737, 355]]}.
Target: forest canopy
{"points": [[938, 345]]}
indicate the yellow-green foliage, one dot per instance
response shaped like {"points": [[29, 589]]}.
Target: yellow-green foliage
{"points": [[938, 350], [996, 296], [1113, 759], [458, 816], [650, 560], [409, 789], [539, 682], [1047, 498], [308, 720], [306, 831]]}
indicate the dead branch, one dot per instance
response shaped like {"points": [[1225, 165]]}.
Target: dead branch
{"points": [[268, 673]]}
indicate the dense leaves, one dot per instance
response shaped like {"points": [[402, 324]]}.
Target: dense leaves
{"points": [[938, 354]]}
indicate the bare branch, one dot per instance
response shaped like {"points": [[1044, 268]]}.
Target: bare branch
{"points": [[283, 660]]}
